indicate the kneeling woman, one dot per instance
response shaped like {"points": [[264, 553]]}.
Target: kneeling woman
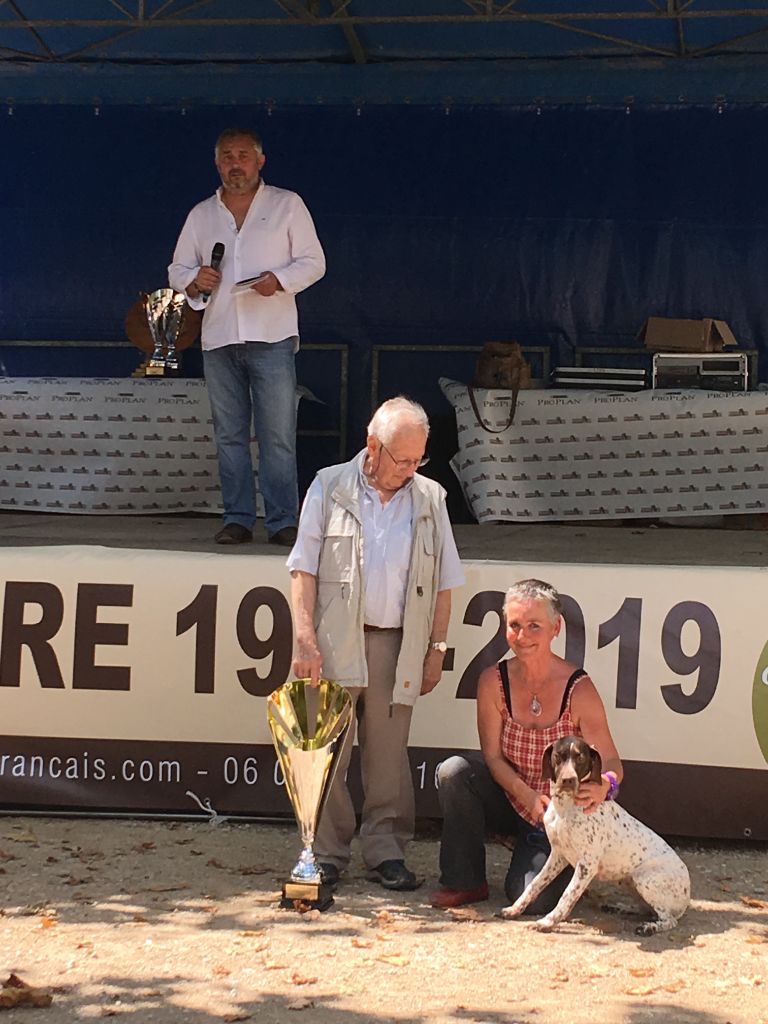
{"points": [[523, 704]]}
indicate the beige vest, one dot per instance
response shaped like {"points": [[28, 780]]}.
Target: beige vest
{"points": [[339, 606]]}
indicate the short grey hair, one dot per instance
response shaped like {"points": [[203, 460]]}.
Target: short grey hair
{"points": [[534, 590], [235, 133], [394, 414]]}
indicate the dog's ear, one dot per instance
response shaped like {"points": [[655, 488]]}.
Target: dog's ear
{"points": [[547, 771], [597, 766]]}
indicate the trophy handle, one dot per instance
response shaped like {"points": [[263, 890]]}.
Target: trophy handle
{"points": [[153, 308], [172, 323]]}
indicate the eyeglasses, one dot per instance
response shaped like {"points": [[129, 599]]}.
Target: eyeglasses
{"points": [[407, 463]]}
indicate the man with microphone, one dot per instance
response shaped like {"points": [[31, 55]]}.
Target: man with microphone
{"points": [[242, 256]]}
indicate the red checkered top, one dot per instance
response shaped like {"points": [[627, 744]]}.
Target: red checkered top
{"points": [[524, 746]]}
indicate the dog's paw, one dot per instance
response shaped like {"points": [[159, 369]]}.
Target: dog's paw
{"points": [[508, 913], [650, 928], [544, 924], [655, 927]]}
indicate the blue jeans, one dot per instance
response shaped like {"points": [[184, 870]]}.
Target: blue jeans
{"points": [[474, 803], [255, 383]]}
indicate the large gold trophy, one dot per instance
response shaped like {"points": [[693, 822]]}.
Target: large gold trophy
{"points": [[308, 725]]}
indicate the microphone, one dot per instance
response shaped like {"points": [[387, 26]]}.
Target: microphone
{"points": [[217, 255]]}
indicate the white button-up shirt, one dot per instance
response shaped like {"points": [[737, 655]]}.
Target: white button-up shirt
{"points": [[278, 235], [386, 549]]}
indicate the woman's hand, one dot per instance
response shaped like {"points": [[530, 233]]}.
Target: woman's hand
{"points": [[592, 794], [537, 804]]}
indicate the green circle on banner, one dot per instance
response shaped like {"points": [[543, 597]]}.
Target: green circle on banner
{"points": [[760, 702]]}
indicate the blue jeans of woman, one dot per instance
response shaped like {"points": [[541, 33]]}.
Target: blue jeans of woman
{"points": [[254, 386], [473, 804]]}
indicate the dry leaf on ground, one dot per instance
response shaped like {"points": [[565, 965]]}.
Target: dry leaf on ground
{"points": [[22, 835], [752, 901], [301, 979], [465, 914], [16, 992], [394, 959]]}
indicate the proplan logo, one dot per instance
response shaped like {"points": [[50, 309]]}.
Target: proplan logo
{"points": [[760, 702]]}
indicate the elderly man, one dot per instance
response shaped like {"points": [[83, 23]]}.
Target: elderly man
{"points": [[252, 232], [372, 572]]}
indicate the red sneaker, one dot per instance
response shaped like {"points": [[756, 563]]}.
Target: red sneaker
{"points": [[446, 898]]}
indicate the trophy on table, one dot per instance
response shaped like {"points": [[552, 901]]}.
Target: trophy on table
{"points": [[161, 323], [308, 725], [164, 309]]}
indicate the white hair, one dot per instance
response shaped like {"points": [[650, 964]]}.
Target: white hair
{"points": [[393, 415], [534, 590]]}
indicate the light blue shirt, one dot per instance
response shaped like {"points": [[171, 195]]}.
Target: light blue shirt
{"points": [[386, 548]]}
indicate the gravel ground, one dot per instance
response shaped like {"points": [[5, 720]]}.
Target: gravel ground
{"points": [[159, 922]]}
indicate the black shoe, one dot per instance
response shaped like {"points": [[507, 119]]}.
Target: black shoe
{"points": [[285, 538], [233, 533], [330, 874], [393, 874]]}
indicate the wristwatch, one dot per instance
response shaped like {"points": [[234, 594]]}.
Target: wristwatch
{"points": [[439, 645]]}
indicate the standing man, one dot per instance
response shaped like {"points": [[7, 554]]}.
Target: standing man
{"points": [[371, 579], [250, 335]]}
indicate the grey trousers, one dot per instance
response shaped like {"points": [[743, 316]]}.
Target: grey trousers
{"points": [[388, 814]]}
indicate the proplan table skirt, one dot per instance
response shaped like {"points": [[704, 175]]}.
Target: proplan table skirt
{"points": [[598, 455]]}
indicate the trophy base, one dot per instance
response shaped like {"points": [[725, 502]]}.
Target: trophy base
{"points": [[317, 895], [163, 371]]}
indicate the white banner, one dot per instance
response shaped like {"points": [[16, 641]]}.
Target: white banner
{"points": [[100, 643]]}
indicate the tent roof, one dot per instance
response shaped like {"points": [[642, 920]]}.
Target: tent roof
{"points": [[354, 48]]}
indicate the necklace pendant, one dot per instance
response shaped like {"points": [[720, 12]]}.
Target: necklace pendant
{"points": [[535, 706]]}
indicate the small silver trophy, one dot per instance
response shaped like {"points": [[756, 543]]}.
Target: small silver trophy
{"points": [[164, 310], [308, 725]]}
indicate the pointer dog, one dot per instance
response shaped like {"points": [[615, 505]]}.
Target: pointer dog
{"points": [[607, 844]]}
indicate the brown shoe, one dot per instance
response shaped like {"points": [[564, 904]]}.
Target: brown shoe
{"points": [[285, 538], [233, 533], [447, 898]]}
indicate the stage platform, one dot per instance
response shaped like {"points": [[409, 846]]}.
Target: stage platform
{"points": [[136, 655], [741, 541]]}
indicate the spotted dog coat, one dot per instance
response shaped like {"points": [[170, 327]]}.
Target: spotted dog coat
{"points": [[608, 844]]}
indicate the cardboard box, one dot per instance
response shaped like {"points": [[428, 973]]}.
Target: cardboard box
{"points": [[665, 334]]}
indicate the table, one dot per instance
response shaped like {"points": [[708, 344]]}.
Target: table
{"points": [[106, 446], [602, 455]]}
